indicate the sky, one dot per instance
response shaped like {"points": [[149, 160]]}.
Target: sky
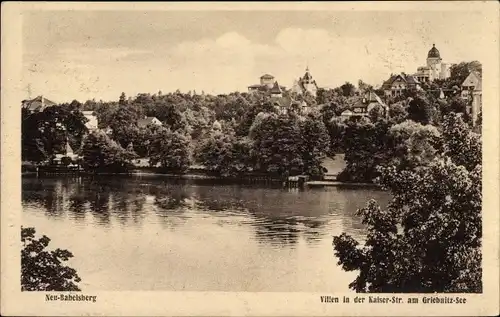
{"points": [[99, 54]]}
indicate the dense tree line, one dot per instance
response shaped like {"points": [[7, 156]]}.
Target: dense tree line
{"points": [[213, 130]]}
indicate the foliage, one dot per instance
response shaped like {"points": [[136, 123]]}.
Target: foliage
{"points": [[458, 73], [336, 130], [461, 144], [428, 239], [365, 146], [376, 113], [397, 113], [348, 89], [278, 145], [44, 270], [99, 152], [411, 145], [171, 150], [334, 108], [248, 118], [45, 133], [315, 142], [421, 110], [226, 155]]}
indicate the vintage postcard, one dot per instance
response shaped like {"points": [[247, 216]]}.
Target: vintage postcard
{"points": [[250, 159]]}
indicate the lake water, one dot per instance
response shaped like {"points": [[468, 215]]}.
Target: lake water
{"points": [[150, 233]]}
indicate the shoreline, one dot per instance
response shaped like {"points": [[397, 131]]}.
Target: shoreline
{"points": [[260, 178]]}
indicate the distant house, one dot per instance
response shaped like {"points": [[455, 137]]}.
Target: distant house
{"points": [[472, 90], [147, 121], [92, 122], [40, 103], [360, 106], [398, 84], [267, 85], [305, 84], [68, 152], [282, 104], [276, 91]]}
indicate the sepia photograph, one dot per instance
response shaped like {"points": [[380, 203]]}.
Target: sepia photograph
{"points": [[334, 152]]}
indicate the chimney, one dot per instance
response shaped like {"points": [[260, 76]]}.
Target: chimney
{"points": [[43, 102]]}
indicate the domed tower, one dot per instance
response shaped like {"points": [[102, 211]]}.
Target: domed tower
{"points": [[434, 62]]}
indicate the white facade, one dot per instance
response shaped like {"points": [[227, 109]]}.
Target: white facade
{"points": [[92, 122]]}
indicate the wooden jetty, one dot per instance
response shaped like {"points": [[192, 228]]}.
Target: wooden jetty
{"points": [[338, 184]]}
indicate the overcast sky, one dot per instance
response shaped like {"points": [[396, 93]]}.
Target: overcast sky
{"points": [[95, 54]]}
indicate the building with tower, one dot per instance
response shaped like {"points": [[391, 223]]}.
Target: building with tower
{"points": [[305, 84], [435, 68], [267, 84]]}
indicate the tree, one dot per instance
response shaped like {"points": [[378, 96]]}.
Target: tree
{"points": [[123, 99], [315, 142], [461, 144], [421, 110], [427, 240], [365, 146], [43, 270], [226, 155], [324, 96], [363, 87], [171, 150], [100, 153], [336, 130], [348, 89], [411, 145], [278, 145], [397, 113], [45, 133], [334, 108], [249, 116], [459, 72]]}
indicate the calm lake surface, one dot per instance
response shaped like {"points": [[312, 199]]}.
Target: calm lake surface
{"points": [[150, 233]]}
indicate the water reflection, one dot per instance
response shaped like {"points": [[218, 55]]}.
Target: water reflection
{"points": [[150, 233], [277, 217]]}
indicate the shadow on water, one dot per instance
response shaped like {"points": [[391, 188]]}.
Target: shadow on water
{"points": [[278, 217]]}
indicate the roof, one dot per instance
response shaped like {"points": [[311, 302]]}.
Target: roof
{"points": [[68, 148], [39, 103], [406, 78], [473, 80], [267, 76], [433, 52], [412, 80], [88, 113], [364, 101], [282, 101], [307, 75], [146, 121], [276, 88]]}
